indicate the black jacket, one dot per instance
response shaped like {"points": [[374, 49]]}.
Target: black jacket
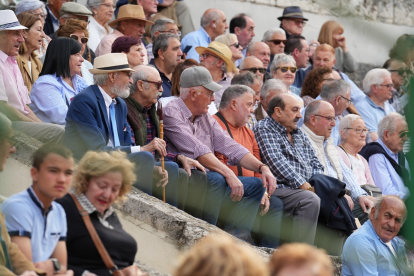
{"points": [[48, 27], [334, 212]]}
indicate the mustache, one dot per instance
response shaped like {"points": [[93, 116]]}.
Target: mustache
{"points": [[296, 119], [159, 94]]}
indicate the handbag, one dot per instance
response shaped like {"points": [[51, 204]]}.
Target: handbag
{"points": [[131, 270], [372, 190]]}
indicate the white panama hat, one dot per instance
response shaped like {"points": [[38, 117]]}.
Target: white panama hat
{"points": [[8, 21]]}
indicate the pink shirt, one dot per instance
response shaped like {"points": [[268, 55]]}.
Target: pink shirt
{"points": [[105, 46], [203, 136], [12, 88]]}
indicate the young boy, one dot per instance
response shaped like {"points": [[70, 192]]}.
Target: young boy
{"points": [[36, 223]]}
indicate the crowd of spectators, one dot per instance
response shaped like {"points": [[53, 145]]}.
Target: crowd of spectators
{"points": [[269, 140]]}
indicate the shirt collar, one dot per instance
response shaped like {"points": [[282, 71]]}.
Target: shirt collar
{"points": [[108, 100], [53, 17], [184, 108], [205, 34], [374, 104], [387, 150], [37, 202], [279, 127], [90, 208]]}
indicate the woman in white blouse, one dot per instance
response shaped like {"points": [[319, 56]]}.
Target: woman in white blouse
{"points": [[103, 10]]}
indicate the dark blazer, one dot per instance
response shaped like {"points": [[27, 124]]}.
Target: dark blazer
{"points": [[334, 212], [258, 112], [48, 27], [87, 126]]}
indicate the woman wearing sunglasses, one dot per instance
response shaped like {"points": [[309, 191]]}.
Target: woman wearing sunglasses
{"points": [[29, 64], [132, 47], [77, 30], [284, 68], [231, 41], [59, 80]]}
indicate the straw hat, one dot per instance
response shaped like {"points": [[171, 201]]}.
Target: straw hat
{"points": [[110, 63], [8, 21], [129, 12], [220, 50]]}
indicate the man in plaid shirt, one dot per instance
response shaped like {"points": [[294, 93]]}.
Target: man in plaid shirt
{"points": [[292, 160]]}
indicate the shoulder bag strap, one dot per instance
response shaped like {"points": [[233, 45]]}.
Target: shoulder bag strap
{"points": [[96, 240], [347, 155], [221, 117]]}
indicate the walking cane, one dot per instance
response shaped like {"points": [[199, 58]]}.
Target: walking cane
{"points": [[159, 113]]}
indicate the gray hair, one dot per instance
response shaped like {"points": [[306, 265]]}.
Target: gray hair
{"points": [[281, 59], [223, 67], [100, 79], [269, 33], [160, 25], [162, 42], [185, 91], [388, 123], [274, 85], [30, 6], [347, 121], [374, 77], [207, 18], [93, 4], [136, 76], [311, 109], [246, 78], [378, 202], [232, 92], [333, 89]]}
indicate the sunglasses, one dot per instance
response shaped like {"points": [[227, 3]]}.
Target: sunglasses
{"points": [[400, 71], [284, 69], [403, 134], [83, 39], [157, 83], [237, 44], [254, 70], [277, 41], [172, 32]]}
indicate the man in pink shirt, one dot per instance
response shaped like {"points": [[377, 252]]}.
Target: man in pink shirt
{"points": [[131, 21], [14, 96]]}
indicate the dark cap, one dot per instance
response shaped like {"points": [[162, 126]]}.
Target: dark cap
{"points": [[292, 12]]}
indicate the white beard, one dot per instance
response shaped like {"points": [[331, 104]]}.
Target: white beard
{"points": [[120, 91]]}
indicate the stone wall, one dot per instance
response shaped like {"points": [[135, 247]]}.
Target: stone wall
{"points": [[398, 12]]}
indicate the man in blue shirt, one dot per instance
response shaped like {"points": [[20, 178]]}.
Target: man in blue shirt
{"points": [[387, 162], [213, 24], [379, 88], [374, 248], [36, 223]]}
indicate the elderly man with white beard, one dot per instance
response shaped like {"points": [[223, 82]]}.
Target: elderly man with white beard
{"points": [[97, 119]]}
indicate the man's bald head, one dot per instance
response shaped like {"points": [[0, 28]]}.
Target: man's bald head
{"points": [[249, 62], [260, 50]]}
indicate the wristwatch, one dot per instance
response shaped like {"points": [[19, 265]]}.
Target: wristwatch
{"points": [[311, 189], [56, 265]]}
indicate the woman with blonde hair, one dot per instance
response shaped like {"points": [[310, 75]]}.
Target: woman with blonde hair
{"points": [[29, 64], [231, 41], [332, 33], [100, 179], [221, 256]]}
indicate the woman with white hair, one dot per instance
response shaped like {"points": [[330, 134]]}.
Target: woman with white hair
{"points": [[232, 42], [284, 68], [103, 10], [353, 135], [37, 8]]}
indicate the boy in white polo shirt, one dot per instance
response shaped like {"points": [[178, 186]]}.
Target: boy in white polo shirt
{"points": [[36, 223]]}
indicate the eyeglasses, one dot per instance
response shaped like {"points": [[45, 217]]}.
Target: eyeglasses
{"points": [[254, 70], [129, 73], [299, 22], [12, 141], [349, 101], [108, 6], [387, 85], [400, 71], [277, 41], [330, 119], [206, 55], [403, 134], [209, 95], [237, 45], [83, 39], [40, 15], [284, 69], [157, 83], [359, 130], [172, 31]]}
